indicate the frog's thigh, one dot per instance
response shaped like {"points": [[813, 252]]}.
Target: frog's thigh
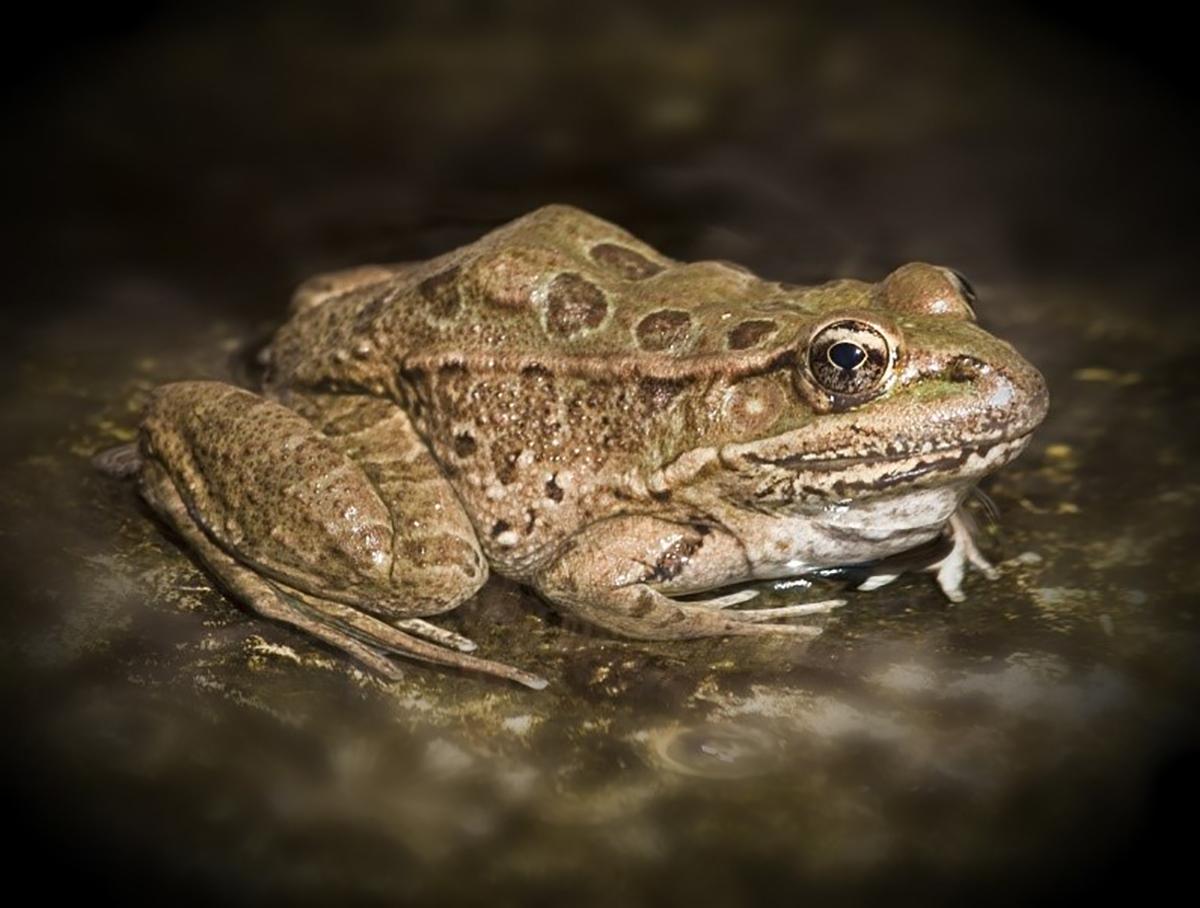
{"points": [[617, 574], [360, 515], [299, 531]]}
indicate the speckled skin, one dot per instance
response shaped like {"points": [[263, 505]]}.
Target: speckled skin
{"points": [[563, 403]]}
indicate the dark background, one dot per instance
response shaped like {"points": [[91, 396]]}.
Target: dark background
{"points": [[168, 165]]}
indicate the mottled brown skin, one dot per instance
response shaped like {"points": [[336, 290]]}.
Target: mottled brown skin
{"points": [[562, 403]]}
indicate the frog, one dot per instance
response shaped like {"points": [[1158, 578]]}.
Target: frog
{"points": [[561, 404]]}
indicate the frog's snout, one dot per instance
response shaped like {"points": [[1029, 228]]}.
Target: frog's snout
{"points": [[1036, 395], [1007, 392]]}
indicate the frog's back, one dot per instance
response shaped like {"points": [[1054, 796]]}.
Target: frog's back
{"points": [[558, 282]]}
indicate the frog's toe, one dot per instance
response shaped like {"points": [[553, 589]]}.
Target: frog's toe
{"points": [[758, 628], [950, 577], [719, 602], [788, 611], [965, 535], [877, 581], [981, 564], [444, 647], [426, 642], [418, 627]]}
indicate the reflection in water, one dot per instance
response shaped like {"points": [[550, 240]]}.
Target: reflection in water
{"points": [[715, 751]]}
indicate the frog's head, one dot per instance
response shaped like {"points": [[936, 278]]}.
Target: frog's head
{"points": [[895, 386]]}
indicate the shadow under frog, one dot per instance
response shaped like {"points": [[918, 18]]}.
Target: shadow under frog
{"points": [[560, 403]]}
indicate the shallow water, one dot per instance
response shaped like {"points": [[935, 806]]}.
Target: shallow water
{"points": [[173, 185]]}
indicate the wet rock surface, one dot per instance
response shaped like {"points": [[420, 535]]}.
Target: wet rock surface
{"points": [[177, 184]]}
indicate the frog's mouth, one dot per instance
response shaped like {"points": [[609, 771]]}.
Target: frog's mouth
{"points": [[886, 472]]}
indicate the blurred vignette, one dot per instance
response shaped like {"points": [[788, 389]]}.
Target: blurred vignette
{"points": [[175, 170]]}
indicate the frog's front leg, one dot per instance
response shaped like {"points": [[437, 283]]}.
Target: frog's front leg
{"points": [[342, 526], [621, 574], [964, 551]]}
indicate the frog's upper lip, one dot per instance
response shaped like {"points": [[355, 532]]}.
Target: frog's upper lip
{"points": [[928, 460]]}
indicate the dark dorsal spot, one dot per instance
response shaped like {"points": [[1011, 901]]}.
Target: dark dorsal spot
{"points": [[657, 393], [441, 293], [664, 328], [368, 312], [536, 371], [553, 490], [633, 266], [573, 305], [464, 444], [749, 333], [452, 369], [500, 526], [505, 464]]}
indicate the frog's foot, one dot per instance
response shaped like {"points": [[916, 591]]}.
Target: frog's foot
{"points": [[121, 462], [384, 638], [964, 551], [604, 576], [342, 526]]}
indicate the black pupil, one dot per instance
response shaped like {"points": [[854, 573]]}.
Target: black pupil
{"points": [[846, 355]]}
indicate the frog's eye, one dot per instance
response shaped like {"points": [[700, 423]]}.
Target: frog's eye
{"points": [[850, 359]]}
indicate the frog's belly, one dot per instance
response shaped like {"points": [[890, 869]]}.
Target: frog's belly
{"points": [[784, 546]]}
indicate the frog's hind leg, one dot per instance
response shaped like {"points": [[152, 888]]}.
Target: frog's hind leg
{"points": [[366, 638], [339, 532]]}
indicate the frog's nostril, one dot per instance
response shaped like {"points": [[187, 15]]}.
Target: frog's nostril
{"points": [[965, 369]]}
